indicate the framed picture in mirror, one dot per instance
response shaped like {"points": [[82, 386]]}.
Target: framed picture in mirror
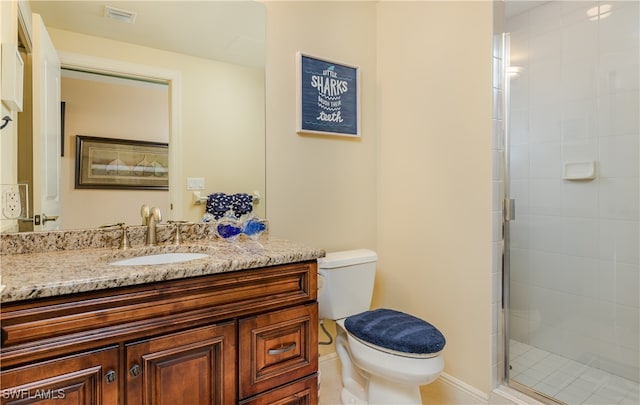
{"points": [[112, 163]]}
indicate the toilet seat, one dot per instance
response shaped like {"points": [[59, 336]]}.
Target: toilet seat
{"points": [[396, 333], [397, 367], [395, 352]]}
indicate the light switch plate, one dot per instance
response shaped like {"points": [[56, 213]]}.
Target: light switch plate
{"points": [[195, 183]]}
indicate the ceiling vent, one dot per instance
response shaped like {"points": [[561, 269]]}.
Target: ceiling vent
{"points": [[119, 14]]}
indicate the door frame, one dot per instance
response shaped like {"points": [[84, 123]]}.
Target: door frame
{"points": [[173, 79], [133, 70]]}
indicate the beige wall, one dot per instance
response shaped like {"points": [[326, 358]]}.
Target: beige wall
{"points": [[416, 187], [434, 227], [321, 189], [222, 116], [110, 110]]}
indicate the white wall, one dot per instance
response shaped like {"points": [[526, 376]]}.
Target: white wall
{"points": [[575, 265], [417, 186]]}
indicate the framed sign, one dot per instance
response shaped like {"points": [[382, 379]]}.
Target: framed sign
{"points": [[328, 99], [121, 164]]}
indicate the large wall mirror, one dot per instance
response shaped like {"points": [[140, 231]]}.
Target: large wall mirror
{"points": [[209, 108]]}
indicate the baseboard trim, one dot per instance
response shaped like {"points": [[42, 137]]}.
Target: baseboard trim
{"points": [[469, 390], [479, 397], [328, 357]]}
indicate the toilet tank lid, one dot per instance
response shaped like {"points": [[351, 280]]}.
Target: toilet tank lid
{"points": [[347, 258]]}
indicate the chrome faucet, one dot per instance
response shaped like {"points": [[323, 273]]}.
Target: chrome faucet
{"points": [[154, 217]]}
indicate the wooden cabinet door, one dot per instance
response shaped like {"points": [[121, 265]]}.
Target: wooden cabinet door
{"points": [[85, 379], [301, 392], [276, 348], [192, 367]]}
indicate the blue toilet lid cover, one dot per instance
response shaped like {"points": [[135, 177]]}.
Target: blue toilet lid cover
{"points": [[396, 330]]}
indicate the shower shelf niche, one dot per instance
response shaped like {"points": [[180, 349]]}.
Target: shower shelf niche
{"points": [[576, 171]]}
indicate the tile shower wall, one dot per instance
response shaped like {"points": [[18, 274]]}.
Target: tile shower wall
{"points": [[574, 244]]}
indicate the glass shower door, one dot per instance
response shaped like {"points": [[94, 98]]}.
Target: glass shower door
{"points": [[574, 171]]}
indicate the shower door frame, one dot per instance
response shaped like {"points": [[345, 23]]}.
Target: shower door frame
{"points": [[509, 214]]}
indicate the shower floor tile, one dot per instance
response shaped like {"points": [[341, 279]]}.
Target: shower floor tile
{"points": [[567, 380]]}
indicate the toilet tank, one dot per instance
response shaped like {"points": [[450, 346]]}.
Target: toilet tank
{"points": [[345, 282]]}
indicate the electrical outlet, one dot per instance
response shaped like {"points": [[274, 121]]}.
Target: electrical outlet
{"points": [[11, 204]]}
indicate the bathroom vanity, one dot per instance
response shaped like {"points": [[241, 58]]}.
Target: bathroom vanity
{"points": [[239, 326]]}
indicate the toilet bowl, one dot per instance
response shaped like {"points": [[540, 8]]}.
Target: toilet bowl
{"points": [[385, 354], [392, 377], [403, 368]]}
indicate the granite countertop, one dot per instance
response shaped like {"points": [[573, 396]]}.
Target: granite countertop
{"points": [[51, 273]]}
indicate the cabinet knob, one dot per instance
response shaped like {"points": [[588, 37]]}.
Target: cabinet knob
{"points": [[110, 376], [135, 370]]}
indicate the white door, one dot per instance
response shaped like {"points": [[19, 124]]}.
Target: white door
{"points": [[46, 129]]}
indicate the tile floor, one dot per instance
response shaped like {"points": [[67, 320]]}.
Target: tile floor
{"points": [[330, 384], [564, 379], [568, 380]]}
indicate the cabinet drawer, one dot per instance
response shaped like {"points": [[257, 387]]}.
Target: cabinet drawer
{"points": [[301, 392], [277, 348], [89, 378]]}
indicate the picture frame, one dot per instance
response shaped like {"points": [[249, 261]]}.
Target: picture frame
{"points": [[111, 163], [328, 97]]}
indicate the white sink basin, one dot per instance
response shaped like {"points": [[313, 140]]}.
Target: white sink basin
{"points": [[163, 258]]}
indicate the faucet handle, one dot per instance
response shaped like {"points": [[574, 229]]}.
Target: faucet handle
{"points": [[177, 240], [124, 241], [144, 213]]}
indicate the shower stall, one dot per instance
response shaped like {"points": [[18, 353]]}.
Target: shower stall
{"points": [[572, 171]]}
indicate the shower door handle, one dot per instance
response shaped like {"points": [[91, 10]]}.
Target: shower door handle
{"points": [[509, 209]]}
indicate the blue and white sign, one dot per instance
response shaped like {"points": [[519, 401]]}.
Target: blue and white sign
{"points": [[327, 97]]}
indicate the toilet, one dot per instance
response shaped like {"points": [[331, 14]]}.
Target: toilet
{"points": [[386, 355]]}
